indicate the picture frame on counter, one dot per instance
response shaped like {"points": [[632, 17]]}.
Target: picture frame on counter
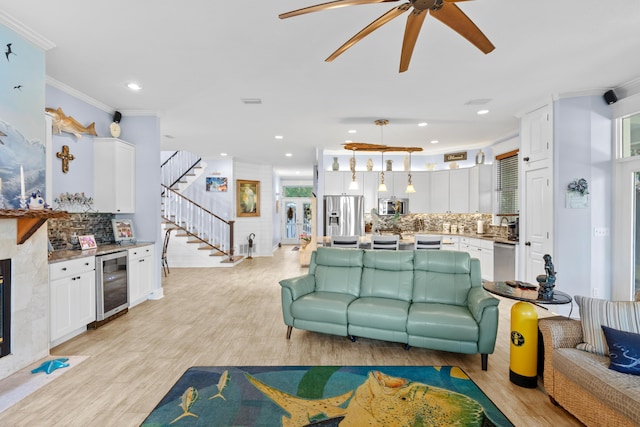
{"points": [[123, 230], [87, 242]]}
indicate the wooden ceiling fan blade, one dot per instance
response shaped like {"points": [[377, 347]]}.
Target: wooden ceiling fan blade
{"points": [[329, 5], [454, 18], [411, 32], [393, 13]]}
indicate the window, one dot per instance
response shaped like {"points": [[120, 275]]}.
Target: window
{"points": [[507, 183], [302, 191], [631, 135]]}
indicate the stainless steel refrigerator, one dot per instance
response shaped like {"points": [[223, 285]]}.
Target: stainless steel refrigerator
{"points": [[343, 215]]}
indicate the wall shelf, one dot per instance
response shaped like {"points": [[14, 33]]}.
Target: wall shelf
{"points": [[29, 221]]}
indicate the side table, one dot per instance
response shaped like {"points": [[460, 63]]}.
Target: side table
{"points": [[523, 361]]}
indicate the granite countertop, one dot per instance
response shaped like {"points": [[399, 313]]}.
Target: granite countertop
{"points": [[69, 254], [407, 238]]}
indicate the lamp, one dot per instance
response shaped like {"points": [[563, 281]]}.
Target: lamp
{"points": [[382, 187], [353, 185], [410, 187]]}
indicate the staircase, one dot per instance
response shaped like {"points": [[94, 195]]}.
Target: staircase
{"points": [[202, 229]]}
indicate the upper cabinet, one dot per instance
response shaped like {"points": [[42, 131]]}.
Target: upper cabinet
{"points": [[466, 190], [449, 191], [480, 189], [536, 136], [114, 175]]}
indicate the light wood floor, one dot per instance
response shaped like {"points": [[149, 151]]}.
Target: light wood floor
{"points": [[232, 316]]}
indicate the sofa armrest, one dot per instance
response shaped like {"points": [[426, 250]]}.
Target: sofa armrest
{"points": [[299, 286], [557, 332], [478, 300]]}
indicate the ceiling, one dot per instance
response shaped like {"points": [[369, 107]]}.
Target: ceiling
{"points": [[197, 60]]}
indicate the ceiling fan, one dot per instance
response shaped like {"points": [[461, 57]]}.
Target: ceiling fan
{"points": [[443, 10]]}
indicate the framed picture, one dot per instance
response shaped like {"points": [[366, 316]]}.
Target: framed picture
{"points": [[87, 242], [247, 198], [216, 183], [123, 230]]}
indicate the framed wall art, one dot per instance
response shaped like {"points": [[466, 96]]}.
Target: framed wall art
{"points": [[216, 183], [247, 198]]}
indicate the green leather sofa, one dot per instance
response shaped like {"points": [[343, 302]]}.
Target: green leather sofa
{"points": [[421, 298]]}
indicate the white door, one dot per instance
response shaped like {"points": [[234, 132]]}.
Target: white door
{"points": [[538, 230], [295, 219], [626, 275]]}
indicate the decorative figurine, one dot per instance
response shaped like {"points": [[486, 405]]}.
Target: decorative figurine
{"points": [[335, 166], [36, 202], [370, 165], [546, 281]]}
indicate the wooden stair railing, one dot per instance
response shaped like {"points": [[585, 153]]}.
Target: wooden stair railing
{"points": [[199, 223]]}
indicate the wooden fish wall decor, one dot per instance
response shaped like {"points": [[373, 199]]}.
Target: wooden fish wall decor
{"points": [[63, 123]]}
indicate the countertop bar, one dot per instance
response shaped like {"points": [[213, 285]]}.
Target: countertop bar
{"points": [[68, 254], [407, 239]]}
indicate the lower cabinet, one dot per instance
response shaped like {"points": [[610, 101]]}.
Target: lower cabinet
{"points": [[140, 274], [482, 250], [72, 298]]}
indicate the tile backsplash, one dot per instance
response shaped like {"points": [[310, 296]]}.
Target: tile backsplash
{"points": [[61, 230]]}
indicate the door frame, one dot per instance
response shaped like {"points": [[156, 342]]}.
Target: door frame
{"points": [[623, 248]]}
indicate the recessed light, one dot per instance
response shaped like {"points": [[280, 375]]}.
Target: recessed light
{"points": [[423, 124], [348, 141], [435, 141], [481, 112], [289, 155], [352, 131], [279, 137], [223, 154], [134, 86], [297, 172]]}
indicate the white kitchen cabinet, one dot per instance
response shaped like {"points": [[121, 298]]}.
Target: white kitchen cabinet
{"points": [[370, 182], [481, 189], [140, 273], [419, 201], [483, 250], [450, 243], [449, 191], [459, 190], [72, 298], [337, 183], [114, 166]]}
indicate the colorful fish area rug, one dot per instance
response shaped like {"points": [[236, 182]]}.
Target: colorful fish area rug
{"points": [[295, 396]]}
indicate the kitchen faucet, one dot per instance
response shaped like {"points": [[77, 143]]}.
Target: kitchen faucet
{"points": [[502, 219]]}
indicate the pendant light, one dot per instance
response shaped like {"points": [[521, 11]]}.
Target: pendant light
{"points": [[382, 188], [353, 185], [410, 187]]}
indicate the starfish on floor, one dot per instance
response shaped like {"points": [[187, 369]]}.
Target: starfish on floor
{"points": [[51, 365]]}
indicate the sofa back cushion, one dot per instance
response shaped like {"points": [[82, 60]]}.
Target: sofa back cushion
{"points": [[387, 274], [337, 270], [442, 277], [595, 313]]}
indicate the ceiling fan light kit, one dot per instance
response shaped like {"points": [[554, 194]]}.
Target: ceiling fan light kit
{"points": [[443, 10]]}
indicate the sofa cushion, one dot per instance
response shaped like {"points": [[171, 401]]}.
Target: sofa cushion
{"points": [[381, 313], [591, 372], [337, 270], [441, 277], [624, 350], [327, 307], [442, 321], [387, 274], [594, 313]]}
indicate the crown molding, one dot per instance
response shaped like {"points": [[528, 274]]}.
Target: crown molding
{"points": [[77, 94], [26, 32]]}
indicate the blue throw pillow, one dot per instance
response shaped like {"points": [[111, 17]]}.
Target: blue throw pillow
{"points": [[624, 350]]}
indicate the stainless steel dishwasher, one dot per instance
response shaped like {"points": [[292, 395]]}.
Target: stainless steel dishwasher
{"points": [[504, 262]]}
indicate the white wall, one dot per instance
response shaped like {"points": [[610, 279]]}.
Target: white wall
{"points": [[261, 226], [582, 149]]}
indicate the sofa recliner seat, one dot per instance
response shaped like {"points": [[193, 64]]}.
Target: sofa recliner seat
{"points": [[429, 299]]}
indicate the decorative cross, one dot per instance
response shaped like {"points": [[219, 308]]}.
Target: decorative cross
{"points": [[66, 157]]}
